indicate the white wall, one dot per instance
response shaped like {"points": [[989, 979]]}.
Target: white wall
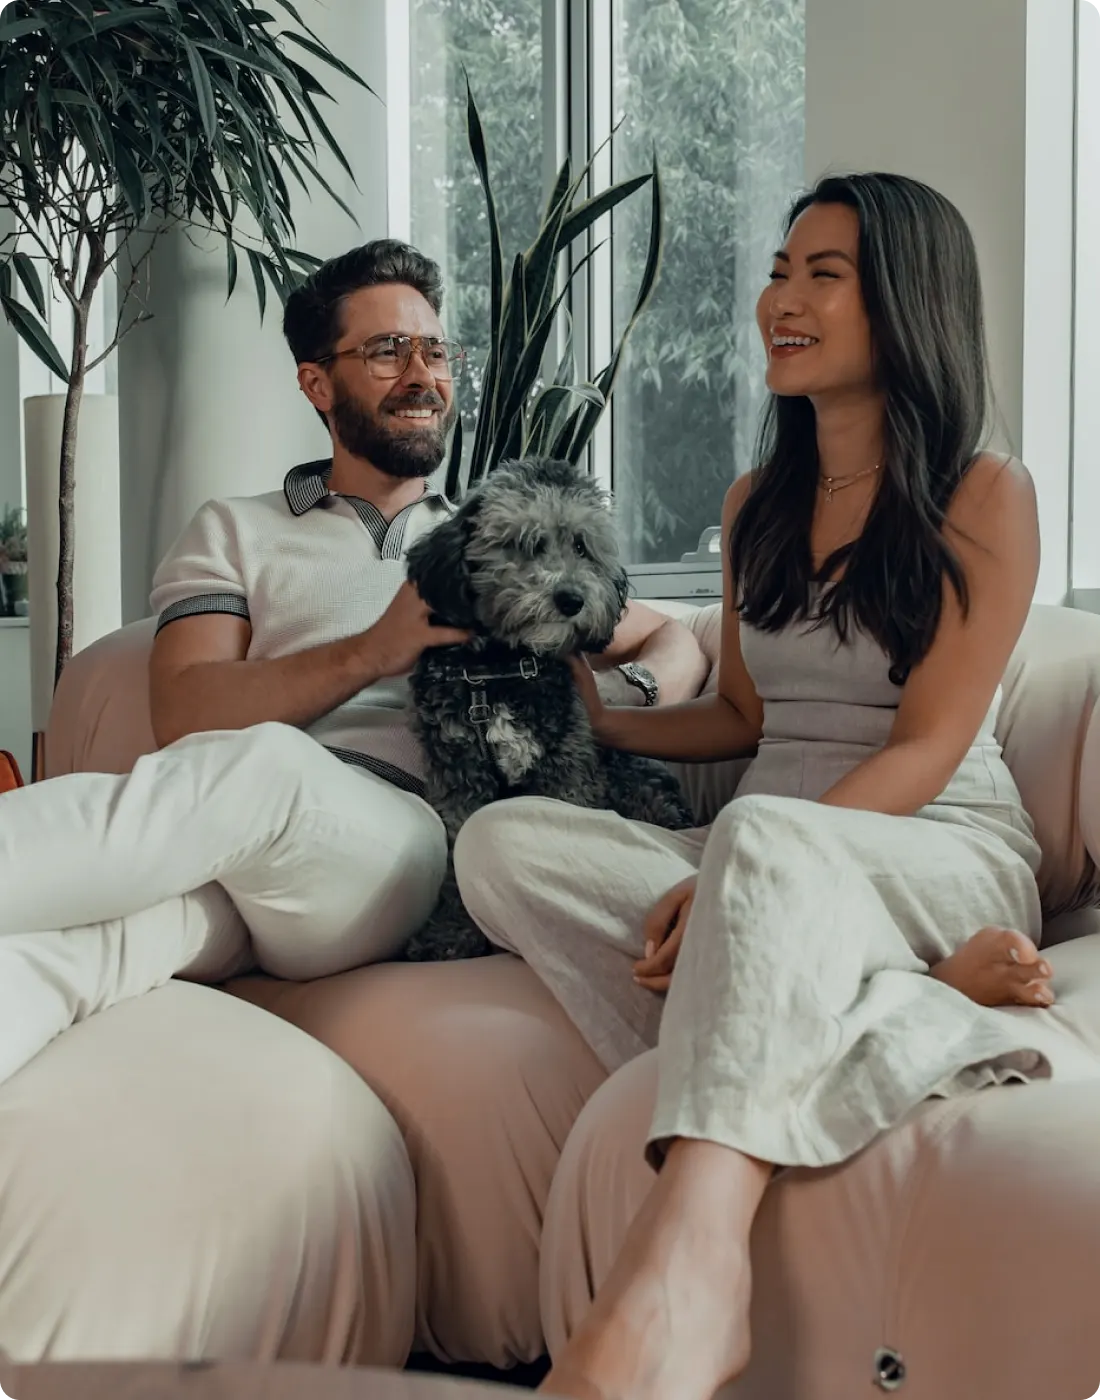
{"points": [[975, 98], [211, 407], [1086, 477]]}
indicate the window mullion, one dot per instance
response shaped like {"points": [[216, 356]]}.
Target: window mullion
{"points": [[601, 118]]}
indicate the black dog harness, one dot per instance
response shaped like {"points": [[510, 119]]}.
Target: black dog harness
{"points": [[476, 678]]}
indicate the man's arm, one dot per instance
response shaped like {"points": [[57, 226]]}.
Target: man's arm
{"points": [[663, 646], [200, 677]]}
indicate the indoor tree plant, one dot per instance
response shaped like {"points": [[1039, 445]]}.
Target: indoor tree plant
{"points": [[118, 117]]}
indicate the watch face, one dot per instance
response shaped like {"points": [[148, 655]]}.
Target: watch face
{"points": [[643, 678]]}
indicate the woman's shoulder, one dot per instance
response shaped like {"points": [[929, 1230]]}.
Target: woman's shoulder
{"points": [[997, 472], [995, 502]]}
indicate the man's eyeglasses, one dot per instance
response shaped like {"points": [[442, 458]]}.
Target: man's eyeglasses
{"points": [[388, 356]]}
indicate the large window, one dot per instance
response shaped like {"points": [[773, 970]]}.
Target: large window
{"points": [[1085, 507], [716, 88]]}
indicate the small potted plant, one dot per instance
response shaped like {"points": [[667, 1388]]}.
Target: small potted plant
{"points": [[13, 563]]}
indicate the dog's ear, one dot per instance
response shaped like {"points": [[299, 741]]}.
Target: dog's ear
{"points": [[438, 569]]}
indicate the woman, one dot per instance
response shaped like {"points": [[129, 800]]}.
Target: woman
{"points": [[879, 569]]}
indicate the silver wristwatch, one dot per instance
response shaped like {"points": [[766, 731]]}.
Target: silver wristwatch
{"points": [[642, 679]]}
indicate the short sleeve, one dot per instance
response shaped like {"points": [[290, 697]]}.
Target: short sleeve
{"points": [[202, 573]]}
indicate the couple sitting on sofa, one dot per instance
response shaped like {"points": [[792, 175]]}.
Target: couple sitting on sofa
{"points": [[882, 566]]}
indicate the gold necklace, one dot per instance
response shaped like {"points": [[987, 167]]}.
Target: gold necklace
{"points": [[832, 484]]}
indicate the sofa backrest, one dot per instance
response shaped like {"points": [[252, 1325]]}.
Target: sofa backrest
{"points": [[1049, 729]]}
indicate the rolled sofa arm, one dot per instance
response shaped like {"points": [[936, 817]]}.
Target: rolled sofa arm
{"points": [[1089, 794]]}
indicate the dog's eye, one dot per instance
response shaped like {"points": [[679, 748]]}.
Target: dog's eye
{"points": [[538, 546], [579, 547]]}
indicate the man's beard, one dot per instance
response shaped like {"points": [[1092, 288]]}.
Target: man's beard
{"points": [[399, 453]]}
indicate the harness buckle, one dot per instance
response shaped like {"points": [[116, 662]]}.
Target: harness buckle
{"points": [[528, 667], [480, 711]]}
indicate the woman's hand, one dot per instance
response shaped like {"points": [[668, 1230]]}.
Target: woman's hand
{"points": [[664, 932], [585, 680]]}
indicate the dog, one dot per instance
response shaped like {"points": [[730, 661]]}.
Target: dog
{"points": [[529, 564]]}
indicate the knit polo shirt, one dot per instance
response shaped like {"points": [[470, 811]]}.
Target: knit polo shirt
{"points": [[306, 566]]}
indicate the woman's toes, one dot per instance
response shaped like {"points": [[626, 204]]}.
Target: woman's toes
{"points": [[1017, 947], [1036, 994]]}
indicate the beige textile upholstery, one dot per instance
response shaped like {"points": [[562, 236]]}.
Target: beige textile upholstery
{"points": [[485, 1078], [182, 1176], [138, 1381]]}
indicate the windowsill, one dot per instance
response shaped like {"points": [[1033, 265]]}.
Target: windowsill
{"points": [[15, 622]]}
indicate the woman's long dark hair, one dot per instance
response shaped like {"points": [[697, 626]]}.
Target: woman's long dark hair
{"points": [[919, 274]]}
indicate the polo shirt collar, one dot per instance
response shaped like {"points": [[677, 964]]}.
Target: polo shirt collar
{"points": [[306, 486]]}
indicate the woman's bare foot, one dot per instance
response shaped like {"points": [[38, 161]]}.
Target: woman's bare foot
{"points": [[672, 1319], [998, 967]]}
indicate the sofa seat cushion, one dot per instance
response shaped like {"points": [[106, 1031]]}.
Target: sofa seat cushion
{"points": [[183, 1176], [866, 1258], [485, 1076]]}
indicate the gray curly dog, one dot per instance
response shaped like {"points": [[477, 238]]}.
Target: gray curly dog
{"points": [[529, 563]]}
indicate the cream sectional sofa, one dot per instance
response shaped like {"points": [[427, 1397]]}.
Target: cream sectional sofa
{"points": [[196, 1173]]}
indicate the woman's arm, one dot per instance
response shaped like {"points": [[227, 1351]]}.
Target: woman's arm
{"points": [[993, 526], [724, 725]]}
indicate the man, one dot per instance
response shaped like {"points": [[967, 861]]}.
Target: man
{"points": [[280, 822]]}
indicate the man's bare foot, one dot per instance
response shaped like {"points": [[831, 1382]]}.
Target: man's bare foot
{"points": [[998, 967], [672, 1319]]}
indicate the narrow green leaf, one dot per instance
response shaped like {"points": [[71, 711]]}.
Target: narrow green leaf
{"points": [[326, 55], [204, 93], [45, 106], [329, 139], [140, 15], [69, 97], [586, 214], [452, 486], [34, 336], [476, 137], [27, 273], [542, 257], [256, 263], [262, 63], [133, 186], [17, 28]]}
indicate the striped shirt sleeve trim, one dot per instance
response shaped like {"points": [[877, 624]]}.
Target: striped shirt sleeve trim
{"points": [[381, 769], [231, 603]]}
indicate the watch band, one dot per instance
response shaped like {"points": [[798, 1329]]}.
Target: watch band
{"points": [[641, 678]]}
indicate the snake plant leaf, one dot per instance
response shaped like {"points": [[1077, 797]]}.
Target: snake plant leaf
{"points": [[517, 410], [605, 382], [551, 408], [453, 484], [582, 218], [476, 138]]}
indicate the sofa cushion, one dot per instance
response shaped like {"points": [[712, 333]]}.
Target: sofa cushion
{"points": [[99, 721], [1051, 691], [182, 1176], [866, 1256], [485, 1076]]}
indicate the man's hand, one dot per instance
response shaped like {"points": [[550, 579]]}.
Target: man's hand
{"points": [[404, 631], [664, 933]]}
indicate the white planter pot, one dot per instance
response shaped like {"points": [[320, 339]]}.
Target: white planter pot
{"points": [[97, 585]]}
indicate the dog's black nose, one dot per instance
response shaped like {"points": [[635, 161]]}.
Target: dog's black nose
{"points": [[568, 602]]}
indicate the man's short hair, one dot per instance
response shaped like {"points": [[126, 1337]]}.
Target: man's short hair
{"points": [[313, 318]]}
